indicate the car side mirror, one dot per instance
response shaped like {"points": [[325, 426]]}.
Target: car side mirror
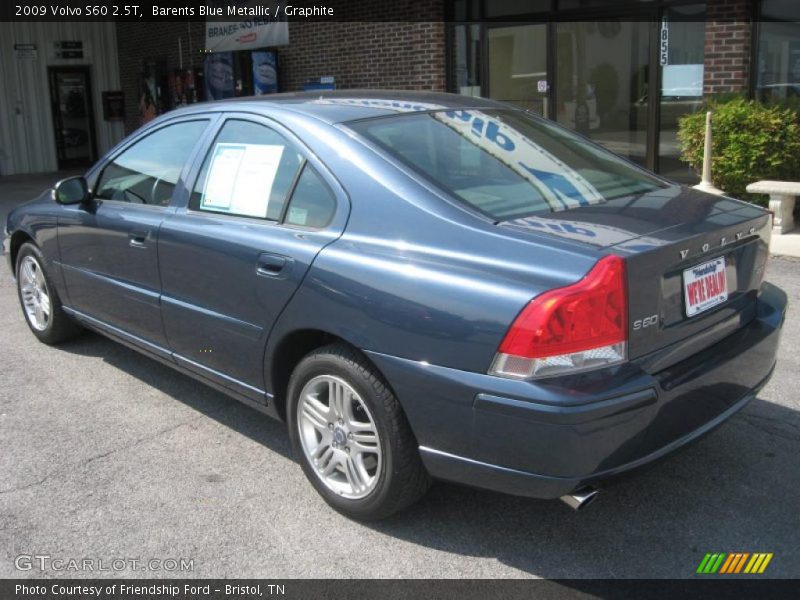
{"points": [[72, 190]]}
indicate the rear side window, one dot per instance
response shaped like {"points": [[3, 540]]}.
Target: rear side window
{"points": [[146, 172], [312, 203], [248, 171], [505, 163]]}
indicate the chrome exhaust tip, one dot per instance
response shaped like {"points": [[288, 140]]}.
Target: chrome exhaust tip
{"points": [[581, 498]]}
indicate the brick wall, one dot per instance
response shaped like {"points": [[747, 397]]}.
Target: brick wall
{"points": [[408, 53], [384, 45], [728, 46]]}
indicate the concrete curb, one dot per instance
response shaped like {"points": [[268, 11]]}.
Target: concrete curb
{"points": [[787, 244]]}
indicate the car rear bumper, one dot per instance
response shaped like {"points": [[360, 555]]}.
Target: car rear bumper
{"points": [[547, 438]]}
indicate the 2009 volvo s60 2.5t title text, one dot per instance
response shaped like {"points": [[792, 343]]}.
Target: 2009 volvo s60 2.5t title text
{"points": [[421, 285]]}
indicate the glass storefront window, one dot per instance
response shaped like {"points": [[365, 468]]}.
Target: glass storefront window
{"points": [[778, 60], [601, 83], [518, 66]]}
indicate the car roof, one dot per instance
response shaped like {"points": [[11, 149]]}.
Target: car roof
{"points": [[349, 105]]}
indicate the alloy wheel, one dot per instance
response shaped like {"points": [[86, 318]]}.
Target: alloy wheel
{"points": [[35, 295], [339, 437]]}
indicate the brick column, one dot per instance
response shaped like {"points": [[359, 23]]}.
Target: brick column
{"points": [[728, 46]]}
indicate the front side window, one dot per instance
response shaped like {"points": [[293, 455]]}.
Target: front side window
{"points": [[505, 163], [147, 172], [248, 172]]}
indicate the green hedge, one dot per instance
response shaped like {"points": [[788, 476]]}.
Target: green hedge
{"points": [[751, 142]]}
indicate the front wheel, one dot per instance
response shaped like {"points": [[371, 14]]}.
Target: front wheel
{"points": [[353, 440], [39, 299]]}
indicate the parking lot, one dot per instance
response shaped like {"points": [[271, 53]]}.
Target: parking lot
{"points": [[107, 454]]}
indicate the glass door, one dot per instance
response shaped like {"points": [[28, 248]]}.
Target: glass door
{"points": [[518, 66], [623, 79], [681, 60], [601, 83], [73, 119]]}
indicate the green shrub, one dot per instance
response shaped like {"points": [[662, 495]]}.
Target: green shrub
{"points": [[751, 142]]}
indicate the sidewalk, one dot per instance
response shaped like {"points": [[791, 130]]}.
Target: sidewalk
{"points": [[787, 244]]}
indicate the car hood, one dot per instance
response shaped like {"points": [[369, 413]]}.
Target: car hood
{"points": [[641, 222]]}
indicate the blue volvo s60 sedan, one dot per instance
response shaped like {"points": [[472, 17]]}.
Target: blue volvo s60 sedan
{"points": [[421, 285]]}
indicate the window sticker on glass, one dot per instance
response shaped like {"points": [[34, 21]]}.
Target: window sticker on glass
{"points": [[240, 178], [297, 216]]}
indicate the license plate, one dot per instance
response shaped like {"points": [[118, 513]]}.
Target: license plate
{"points": [[705, 286]]}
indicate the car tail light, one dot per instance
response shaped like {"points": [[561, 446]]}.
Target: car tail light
{"points": [[575, 328]]}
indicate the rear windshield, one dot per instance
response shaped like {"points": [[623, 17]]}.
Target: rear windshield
{"points": [[505, 163]]}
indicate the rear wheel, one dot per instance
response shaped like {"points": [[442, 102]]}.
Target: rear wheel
{"points": [[353, 440], [39, 299]]}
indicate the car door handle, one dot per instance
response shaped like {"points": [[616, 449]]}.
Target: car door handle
{"points": [[273, 265], [138, 239]]}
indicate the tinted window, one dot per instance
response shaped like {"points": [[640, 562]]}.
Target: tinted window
{"points": [[248, 172], [312, 203], [146, 173], [505, 163]]}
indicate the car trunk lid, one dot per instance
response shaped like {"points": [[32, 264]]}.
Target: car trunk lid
{"points": [[694, 261]]}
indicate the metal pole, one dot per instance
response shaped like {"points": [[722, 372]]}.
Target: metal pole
{"points": [[706, 184]]}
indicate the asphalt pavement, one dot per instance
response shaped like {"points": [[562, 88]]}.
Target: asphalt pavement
{"points": [[106, 454]]}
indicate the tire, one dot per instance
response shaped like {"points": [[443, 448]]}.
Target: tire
{"points": [[39, 300], [369, 477]]}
